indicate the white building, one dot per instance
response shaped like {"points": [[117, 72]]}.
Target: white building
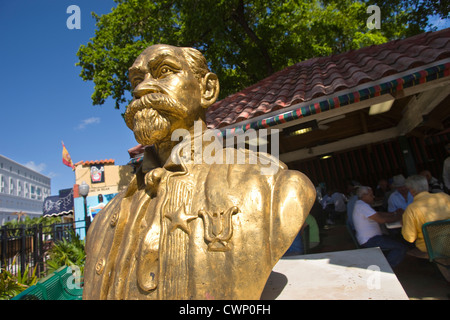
{"points": [[21, 190]]}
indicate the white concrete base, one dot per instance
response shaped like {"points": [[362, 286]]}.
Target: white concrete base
{"points": [[345, 275]]}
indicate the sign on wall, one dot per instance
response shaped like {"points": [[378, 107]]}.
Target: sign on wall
{"points": [[97, 173]]}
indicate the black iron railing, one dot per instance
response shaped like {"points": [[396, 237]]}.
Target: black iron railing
{"points": [[25, 246]]}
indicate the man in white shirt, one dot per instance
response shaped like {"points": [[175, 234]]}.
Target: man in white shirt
{"points": [[368, 233]]}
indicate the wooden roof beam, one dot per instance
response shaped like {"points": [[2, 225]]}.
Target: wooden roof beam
{"points": [[352, 142], [419, 106]]}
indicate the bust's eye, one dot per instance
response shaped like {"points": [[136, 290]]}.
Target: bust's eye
{"points": [[164, 71]]}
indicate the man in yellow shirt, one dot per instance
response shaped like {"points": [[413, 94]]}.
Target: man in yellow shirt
{"points": [[426, 207]]}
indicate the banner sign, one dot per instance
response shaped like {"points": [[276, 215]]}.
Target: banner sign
{"points": [[97, 174]]}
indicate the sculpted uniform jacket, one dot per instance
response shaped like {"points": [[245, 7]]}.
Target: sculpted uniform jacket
{"points": [[195, 231]]}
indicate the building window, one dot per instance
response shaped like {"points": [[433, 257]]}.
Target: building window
{"points": [[19, 188], [2, 183], [33, 192], [26, 190], [45, 193], [11, 186]]}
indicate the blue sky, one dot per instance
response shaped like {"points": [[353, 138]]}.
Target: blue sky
{"points": [[43, 99]]}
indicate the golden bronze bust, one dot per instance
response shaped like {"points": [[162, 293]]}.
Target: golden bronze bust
{"points": [[190, 229]]}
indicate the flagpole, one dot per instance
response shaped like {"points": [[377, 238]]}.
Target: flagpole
{"points": [[67, 160]]}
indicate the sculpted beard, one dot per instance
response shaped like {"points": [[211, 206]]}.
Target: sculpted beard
{"points": [[150, 117]]}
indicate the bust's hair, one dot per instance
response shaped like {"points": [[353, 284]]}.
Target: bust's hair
{"points": [[196, 61], [417, 183]]}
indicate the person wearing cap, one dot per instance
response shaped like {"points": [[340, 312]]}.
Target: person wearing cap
{"points": [[401, 197]]}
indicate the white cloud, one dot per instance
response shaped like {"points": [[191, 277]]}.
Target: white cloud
{"points": [[52, 175], [88, 121], [36, 167]]}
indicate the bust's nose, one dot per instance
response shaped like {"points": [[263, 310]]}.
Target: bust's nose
{"points": [[148, 85]]}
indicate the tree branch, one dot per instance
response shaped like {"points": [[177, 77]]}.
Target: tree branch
{"points": [[239, 16]]}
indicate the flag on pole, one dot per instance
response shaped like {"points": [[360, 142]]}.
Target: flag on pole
{"points": [[66, 157]]}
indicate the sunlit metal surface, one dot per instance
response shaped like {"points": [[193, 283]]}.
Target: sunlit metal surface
{"points": [[189, 229]]}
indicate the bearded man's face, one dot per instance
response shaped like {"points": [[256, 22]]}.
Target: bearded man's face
{"points": [[166, 95]]}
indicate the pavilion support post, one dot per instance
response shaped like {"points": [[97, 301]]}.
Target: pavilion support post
{"points": [[407, 156]]}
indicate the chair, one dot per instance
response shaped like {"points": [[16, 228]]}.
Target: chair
{"points": [[52, 287], [437, 239], [352, 233]]}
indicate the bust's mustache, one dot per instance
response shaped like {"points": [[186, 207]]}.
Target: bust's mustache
{"points": [[162, 105]]}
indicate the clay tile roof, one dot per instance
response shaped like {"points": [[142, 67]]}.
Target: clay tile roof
{"points": [[92, 162], [313, 78]]}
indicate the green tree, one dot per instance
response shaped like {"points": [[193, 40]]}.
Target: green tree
{"points": [[244, 41], [28, 223]]}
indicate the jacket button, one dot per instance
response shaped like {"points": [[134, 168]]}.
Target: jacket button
{"points": [[114, 220], [99, 266]]}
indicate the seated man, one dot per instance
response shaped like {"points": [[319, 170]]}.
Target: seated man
{"points": [[400, 198], [426, 207], [368, 233], [434, 185], [340, 206]]}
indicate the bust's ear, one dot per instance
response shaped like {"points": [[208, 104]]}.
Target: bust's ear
{"points": [[210, 89]]}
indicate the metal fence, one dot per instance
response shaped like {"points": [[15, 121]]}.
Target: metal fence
{"points": [[28, 246]]}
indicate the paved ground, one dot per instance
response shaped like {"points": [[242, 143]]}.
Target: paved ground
{"points": [[420, 279]]}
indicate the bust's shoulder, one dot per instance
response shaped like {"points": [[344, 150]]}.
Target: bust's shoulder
{"points": [[294, 180]]}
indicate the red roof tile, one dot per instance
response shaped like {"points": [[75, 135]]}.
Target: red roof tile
{"points": [[323, 76], [92, 162]]}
